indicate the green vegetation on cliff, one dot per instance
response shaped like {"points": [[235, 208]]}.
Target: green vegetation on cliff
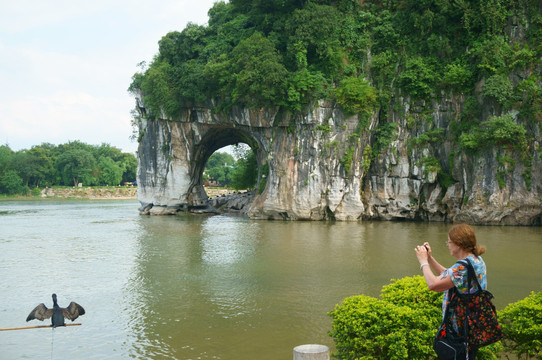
{"points": [[285, 53]]}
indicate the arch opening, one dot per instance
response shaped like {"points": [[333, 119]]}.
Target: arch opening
{"points": [[212, 142]]}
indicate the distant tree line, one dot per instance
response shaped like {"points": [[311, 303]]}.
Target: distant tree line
{"points": [[66, 164]]}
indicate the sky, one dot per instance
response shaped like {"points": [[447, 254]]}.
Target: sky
{"points": [[66, 65]]}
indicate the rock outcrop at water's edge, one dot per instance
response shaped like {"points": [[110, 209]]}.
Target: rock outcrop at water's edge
{"points": [[321, 166]]}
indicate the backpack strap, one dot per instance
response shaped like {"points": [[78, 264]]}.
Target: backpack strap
{"points": [[471, 273]]}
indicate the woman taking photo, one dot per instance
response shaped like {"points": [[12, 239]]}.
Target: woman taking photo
{"points": [[462, 245]]}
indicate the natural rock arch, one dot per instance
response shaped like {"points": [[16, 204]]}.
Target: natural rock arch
{"points": [[322, 165], [306, 178]]}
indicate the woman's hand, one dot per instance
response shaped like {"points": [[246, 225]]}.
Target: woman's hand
{"points": [[422, 253], [428, 247]]}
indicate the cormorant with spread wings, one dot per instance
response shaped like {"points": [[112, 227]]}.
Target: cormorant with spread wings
{"points": [[57, 314]]}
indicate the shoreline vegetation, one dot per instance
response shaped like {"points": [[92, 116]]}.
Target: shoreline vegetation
{"points": [[94, 193]]}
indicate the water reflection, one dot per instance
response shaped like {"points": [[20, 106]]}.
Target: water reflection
{"points": [[227, 240]]}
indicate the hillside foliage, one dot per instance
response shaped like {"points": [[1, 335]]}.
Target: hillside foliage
{"points": [[289, 52]]}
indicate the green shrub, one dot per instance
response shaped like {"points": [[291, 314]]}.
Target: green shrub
{"points": [[385, 134], [347, 159], [158, 85], [303, 86], [355, 95], [259, 76], [530, 92], [445, 179], [401, 325], [503, 130], [323, 128], [412, 292], [429, 164], [419, 78], [434, 136], [366, 162], [471, 108], [499, 88], [522, 326], [368, 328], [458, 77]]}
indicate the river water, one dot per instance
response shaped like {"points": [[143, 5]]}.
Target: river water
{"points": [[220, 287]]}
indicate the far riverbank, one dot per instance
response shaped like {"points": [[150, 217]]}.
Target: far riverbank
{"points": [[96, 193]]}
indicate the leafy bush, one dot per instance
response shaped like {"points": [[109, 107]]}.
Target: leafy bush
{"points": [[303, 86], [401, 325], [429, 164], [403, 322], [316, 27], [503, 130], [347, 159], [35, 192], [158, 85], [522, 326], [418, 79], [499, 88], [368, 328], [355, 95], [530, 93], [434, 136], [412, 292], [489, 54], [458, 77], [384, 136], [470, 142], [445, 180]]}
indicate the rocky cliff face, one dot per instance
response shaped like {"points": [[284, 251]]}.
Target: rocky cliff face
{"points": [[324, 165]]}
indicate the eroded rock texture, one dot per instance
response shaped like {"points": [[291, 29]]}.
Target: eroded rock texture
{"points": [[325, 165]]}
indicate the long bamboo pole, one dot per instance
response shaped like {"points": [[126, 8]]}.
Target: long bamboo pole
{"points": [[35, 327]]}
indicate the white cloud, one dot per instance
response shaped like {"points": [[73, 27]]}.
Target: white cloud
{"points": [[65, 66], [24, 15], [62, 117]]}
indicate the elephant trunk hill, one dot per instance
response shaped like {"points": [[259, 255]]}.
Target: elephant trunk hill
{"points": [[355, 110]]}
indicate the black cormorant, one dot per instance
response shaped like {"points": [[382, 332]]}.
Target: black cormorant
{"points": [[57, 314]]}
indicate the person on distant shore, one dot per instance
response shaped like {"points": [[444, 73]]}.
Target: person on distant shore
{"points": [[462, 245]]}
